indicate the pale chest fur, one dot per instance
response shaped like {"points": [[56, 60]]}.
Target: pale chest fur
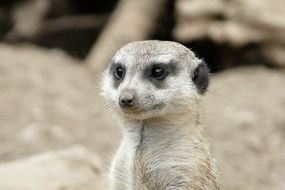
{"points": [[147, 160]]}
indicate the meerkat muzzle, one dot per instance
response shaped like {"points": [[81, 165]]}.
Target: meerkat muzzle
{"points": [[127, 98]]}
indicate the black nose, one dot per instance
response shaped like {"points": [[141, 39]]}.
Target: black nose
{"points": [[127, 99]]}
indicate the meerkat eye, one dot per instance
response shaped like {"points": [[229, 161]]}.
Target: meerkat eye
{"points": [[159, 72], [119, 72]]}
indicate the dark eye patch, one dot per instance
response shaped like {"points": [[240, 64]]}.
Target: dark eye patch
{"points": [[159, 71], [118, 71], [156, 73]]}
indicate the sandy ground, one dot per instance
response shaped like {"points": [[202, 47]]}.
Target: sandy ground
{"points": [[51, 101]]}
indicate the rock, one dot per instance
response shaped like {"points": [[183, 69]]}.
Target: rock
{"points": [[238, 23], [73, 168], [245, 120], [28, 17], [49, 101]]}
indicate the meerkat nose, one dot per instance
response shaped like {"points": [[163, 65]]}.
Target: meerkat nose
{"points": [[127, 98]]}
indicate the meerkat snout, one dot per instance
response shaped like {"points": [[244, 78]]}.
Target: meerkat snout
{"points": [[127, 98]]}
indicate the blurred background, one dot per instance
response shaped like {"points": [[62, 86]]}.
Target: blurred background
{"points": [[56, 133]]}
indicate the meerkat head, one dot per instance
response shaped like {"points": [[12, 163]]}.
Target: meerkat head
{"points": [[149, 79]]}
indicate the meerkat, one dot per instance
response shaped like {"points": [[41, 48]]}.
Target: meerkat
{"points": [[155, 88]]}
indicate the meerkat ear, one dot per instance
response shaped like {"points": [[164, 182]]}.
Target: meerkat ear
{"points": [[201, 77]]}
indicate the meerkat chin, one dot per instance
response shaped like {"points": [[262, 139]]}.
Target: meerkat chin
{"points": [[155, 88]]}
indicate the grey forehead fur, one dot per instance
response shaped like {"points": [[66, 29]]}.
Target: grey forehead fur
{"points": [[144, 50], [144, 53]]}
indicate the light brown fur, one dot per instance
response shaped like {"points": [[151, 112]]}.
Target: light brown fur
{"points": [[164, 149]]}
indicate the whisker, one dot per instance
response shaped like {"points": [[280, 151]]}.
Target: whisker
{"points": [[97, 86], [104, 107]]}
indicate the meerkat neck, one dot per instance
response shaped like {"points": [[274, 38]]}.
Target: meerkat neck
{"points": [[155, 132]]}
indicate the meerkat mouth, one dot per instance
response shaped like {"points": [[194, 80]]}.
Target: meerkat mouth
{"points": [[134, 111], [138, 112]]}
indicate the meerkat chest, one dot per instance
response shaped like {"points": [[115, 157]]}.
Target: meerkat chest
{"points": [[151, 162], [161, 166]]}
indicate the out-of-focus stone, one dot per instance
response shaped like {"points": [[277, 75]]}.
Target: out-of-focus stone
{"points": [[237, 23], [50, 101], [245, 120], [73, 168]]}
